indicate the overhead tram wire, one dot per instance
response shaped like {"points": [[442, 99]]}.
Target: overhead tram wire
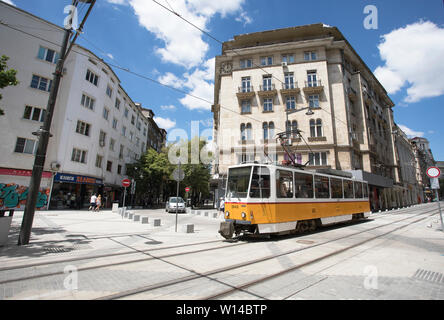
{"points": [[138, 74]]}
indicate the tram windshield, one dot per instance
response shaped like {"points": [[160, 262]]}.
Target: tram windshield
{"points": [[238, 180]]}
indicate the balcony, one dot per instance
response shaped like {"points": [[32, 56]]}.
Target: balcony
{"points": [[245, 93], [313, 87], [268, 91], [290, 89]]}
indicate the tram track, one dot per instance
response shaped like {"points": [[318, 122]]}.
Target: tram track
{"points": [[208, 274]]}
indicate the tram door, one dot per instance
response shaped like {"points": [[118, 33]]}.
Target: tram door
{"points": [[260, 190]]}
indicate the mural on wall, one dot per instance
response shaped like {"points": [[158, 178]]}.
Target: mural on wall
{"points": [[13, 196]]}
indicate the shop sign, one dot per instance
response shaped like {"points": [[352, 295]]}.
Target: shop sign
{"points": [[72, 178], [22, 173]]}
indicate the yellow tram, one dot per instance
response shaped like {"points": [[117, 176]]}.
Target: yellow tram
{"points": [[272, 199]]}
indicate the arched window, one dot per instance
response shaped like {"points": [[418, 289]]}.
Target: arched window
{"points": [[288, 127], [318, 127], [265, 129], [242, 129], [312, 128], [249, 136], [294, 128], [271, 130]]}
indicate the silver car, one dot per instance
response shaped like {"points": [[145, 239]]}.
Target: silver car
{"points": [[175, 202]]}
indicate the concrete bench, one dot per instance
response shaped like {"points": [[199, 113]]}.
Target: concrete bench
{"points": [[144, 220], [189, 228], [130, 215], [136, 217], [206, 213], [157, 222]]}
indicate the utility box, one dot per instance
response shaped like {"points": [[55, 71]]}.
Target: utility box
{"points": [[5, 225]]}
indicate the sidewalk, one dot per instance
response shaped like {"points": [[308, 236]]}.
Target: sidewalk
{"points": [[58, 234]]}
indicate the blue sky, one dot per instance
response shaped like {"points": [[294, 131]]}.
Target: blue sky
{"points": [[405, 50]]}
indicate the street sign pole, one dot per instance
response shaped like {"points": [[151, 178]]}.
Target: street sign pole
{"points": [[124, 196], [177, 195], [434, 173]]}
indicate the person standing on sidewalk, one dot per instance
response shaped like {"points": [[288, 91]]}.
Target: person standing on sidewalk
{"points": [[98, 203], [221, 207], [92, 202]]}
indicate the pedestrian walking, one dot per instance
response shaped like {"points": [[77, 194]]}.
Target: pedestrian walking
{"points": [[98, 203], [221, 207], [92, 202]]}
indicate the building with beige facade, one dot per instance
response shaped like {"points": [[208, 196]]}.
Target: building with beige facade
{"points": [[307, 78]]}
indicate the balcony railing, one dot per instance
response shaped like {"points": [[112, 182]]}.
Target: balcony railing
{"points": [[246, 92], [313, 86], [290, 89], [267, 90]]}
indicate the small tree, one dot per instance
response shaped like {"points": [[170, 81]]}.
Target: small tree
{"points": [[7, 77]]}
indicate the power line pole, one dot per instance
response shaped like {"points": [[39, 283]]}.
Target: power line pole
{"points": [[44, 135]]}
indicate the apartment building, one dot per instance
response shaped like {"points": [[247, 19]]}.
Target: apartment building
{"points": [[424, 159], [96, 129], [311, 79]]}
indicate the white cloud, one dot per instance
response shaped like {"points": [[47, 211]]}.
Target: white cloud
{"points": [[172, 80], [183, 44], [244, 18], [168, 108], [120, 2], [9, 2], [165, 123], [109, 55], [413, 58], [411, 133]]}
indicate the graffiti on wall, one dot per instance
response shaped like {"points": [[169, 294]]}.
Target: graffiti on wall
{"points": [[13, 196]]}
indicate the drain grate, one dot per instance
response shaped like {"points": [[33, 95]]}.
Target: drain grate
{"points": [[57, 250], [428, 275]]}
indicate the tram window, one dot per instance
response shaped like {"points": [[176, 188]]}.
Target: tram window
{"points": [[336, 188], [365, 188], [284, 184], [303, 185], [260, 183], [358, 189], [238, 179], [322, 187], [348, 189]]}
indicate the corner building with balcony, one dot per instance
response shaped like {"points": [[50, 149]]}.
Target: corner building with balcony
{"points": [[307, 78]]}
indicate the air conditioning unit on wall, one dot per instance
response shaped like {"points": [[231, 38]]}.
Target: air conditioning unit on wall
{"points": [[55, 166]]}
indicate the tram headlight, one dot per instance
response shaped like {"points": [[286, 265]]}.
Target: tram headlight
{"points": [[227, 214], [243, 215]]}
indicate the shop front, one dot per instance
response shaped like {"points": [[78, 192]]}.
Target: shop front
{"points": [[72, 191]]}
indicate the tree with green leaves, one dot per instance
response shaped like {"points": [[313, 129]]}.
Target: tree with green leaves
{"points": [[7, 76]]}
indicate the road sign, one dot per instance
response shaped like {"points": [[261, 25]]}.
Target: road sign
{"points": [[126, 183], [434, 183], [178, 174], [433, 172], [187, 189]]}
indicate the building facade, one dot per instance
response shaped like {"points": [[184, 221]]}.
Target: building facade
{"points": [[96, 129], [424, 159], [311, 79]]}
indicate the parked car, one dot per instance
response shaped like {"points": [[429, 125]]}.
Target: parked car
{"points": [[174, 202]]}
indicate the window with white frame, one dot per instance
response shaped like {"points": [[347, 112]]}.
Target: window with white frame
{"points": [[78, 155], [48, 55], [87, 102], [109, 91], [289, 80], [288, 58], [99, 160], [313, 101], [102, 138], [112, 143], [34, 113], [246, 106], [246, 84], [267, 61], [316, 128], [83, 128], [24, 145], [92, 77], [246, 131], [123, 131], [317, 159], [115, 123], [117, 104], [268, 104], [125, 113], [245, 157], [246, 63], [41, 83], [266, 83], [105, 113], [290, 102], [310, 55], [312, 78]]}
